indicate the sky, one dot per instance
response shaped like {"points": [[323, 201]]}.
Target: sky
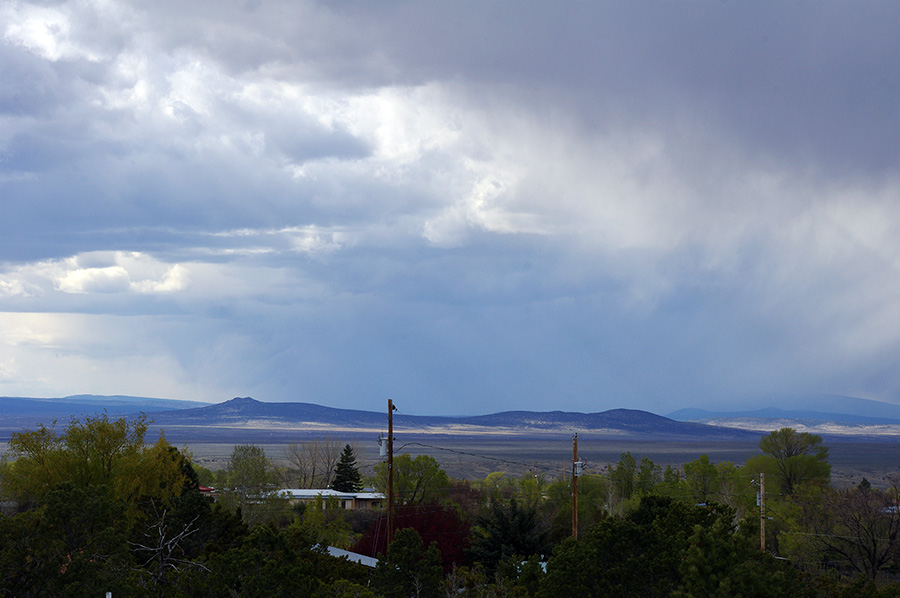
{"points": [[467, 207]]}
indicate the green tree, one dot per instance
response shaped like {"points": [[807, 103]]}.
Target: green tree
{"points": [[38, 463], [205, 477], [417, 481], [671, 485], [648, 476], [497, 485], [73, 545], [608, 560], [723, 562], [637, 555], [268, 562], [248, 469], [702, 479], [411, 570], [623, 476], [794, 457], [28, 561], [249, 479], [736, 489], [531, 489], [97, 451], [508, 530], [593, 506], [346, 473], [342, 588], [325, 521]]}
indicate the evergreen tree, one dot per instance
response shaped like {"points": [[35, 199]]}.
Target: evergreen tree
{"points": [[411, 570], [508, 530], [346, 474]]}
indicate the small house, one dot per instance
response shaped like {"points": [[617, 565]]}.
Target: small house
{"points": [[351, 501]]}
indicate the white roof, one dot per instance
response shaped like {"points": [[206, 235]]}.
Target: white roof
{"points": [[370, 496], [353, 557], [312, 493]]}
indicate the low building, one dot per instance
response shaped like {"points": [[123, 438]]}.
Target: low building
{"points": [[351, 501]]}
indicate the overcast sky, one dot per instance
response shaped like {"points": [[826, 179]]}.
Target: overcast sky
{"points": [[467, 207]]}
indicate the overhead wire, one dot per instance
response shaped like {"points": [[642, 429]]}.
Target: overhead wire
{"points": [[471, 454]]}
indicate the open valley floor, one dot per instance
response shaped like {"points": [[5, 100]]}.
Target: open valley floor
{"points": [[548, 454]]}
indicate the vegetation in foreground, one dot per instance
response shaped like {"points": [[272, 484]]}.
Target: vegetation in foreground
{"points": [[101, 510]]}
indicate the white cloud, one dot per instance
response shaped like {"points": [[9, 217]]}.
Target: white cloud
{"points": [[112, 279], [176, 278], [9, 288], [44, 31], [96, 272], [302, 239]]}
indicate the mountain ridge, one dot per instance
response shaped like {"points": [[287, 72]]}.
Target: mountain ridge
{"points": [[77, 405], [243, 415], [813, 408], [245, 410], [246, 413], [702, 415]]}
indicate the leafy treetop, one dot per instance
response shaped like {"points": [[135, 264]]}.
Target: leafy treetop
{"points": [[97, 451], [795, 458]]}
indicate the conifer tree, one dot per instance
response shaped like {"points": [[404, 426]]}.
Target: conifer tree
{"points": [[346, 474]]}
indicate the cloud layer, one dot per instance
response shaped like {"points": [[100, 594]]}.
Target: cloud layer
{"points": [[468, 208]]}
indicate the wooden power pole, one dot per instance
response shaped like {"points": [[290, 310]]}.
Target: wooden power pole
{"points": [[575, 474], [390, 471], [762, 512]]}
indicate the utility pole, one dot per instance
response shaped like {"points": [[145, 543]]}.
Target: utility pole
{"points": [[576, 471], [762, 512], [390, 487]]}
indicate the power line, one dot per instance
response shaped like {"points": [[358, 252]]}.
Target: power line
{"points": [[470, 454]]}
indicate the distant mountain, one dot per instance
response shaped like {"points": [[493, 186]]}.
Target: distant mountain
{"points": [[701, 415], [250, 413], [625, 420], [814, 408], [246, 409], [17, 412], [246, 417]]}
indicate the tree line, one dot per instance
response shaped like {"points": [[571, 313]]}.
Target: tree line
{"points": [[101, 509]]}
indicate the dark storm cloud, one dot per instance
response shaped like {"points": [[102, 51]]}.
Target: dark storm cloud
{"points": [[807, 80], [809, 76]]}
